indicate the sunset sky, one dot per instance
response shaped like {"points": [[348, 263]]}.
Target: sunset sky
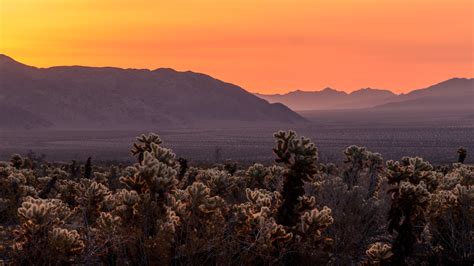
{"points": [[264, 46]]}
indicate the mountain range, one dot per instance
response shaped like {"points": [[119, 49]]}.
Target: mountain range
{"points": [[455, 93], [106, 97], [115, 98]]}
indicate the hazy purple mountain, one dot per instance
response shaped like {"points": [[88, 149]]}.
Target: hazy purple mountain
{"points": [[328, 99], [90, 97], [452, 94]]}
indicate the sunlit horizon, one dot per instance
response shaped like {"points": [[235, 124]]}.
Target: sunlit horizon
{"points": [[262, 46]]}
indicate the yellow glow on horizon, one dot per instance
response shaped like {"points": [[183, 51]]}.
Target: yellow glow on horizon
{"points": [[262, 45]]}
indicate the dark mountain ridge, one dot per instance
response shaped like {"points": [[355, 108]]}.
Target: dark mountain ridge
{"points": [[108, 97]]}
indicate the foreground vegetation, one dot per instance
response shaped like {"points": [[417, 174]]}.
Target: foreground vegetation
{"points": [[298, 211]]}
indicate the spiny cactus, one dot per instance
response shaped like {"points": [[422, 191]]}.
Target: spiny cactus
{"points": [[65, 243], [159, 177], [203, 221], [40, 238], [450, 215], [16, 161], [300, 157], [378, 254], [256, 228], [143, 144], [297, 212], [375, 167], [43, 212], [462, 152], [74, 169], [92, 199], [14, 186], [183, 167], [55, 176], [413, 180], [257, 174], [230, 166], [88, 168], [355, 159], [314, 221]]}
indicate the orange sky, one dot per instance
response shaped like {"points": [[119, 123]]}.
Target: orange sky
{"points": [[264, 46]]}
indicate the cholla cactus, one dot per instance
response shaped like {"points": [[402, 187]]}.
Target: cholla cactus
{"points": [[257, 174], [355, 160], [43, 212], [413, 170], [40, 238], [133, 181], [230, 166], [16, 161], [300, 157], [92, 199], [378, 254], [220, 182], [14, 186], [56, 175], [143, 144], [68, 191], [463, 173], [450, 217], [200, 202], [298, 212], [65, 243], [263, 198], [275, 177], [146, 208], [375, 167], [152, 175], [256, 228], [313, 222], [159, 176], [127, 205], [413, 181], [88, 168], [462, 152], [203, 221]]}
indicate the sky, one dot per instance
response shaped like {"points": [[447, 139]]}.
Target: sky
{"points": [[266, 46]]}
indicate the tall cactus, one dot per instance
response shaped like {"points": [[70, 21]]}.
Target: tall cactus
{"points": [[462, 152], [375, 167], [300, 157], [355, 159], [413, 179], [143, 144], [88, 168]]}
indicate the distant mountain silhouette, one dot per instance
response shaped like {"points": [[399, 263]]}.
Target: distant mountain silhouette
{"points": [[328, 99], [106, 97], [452, 94], [456, 93]]}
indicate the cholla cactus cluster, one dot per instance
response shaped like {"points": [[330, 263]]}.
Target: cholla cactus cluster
{"points": [[165, 210]]}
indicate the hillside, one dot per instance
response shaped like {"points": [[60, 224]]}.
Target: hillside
{"points": [[106, 97]]}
